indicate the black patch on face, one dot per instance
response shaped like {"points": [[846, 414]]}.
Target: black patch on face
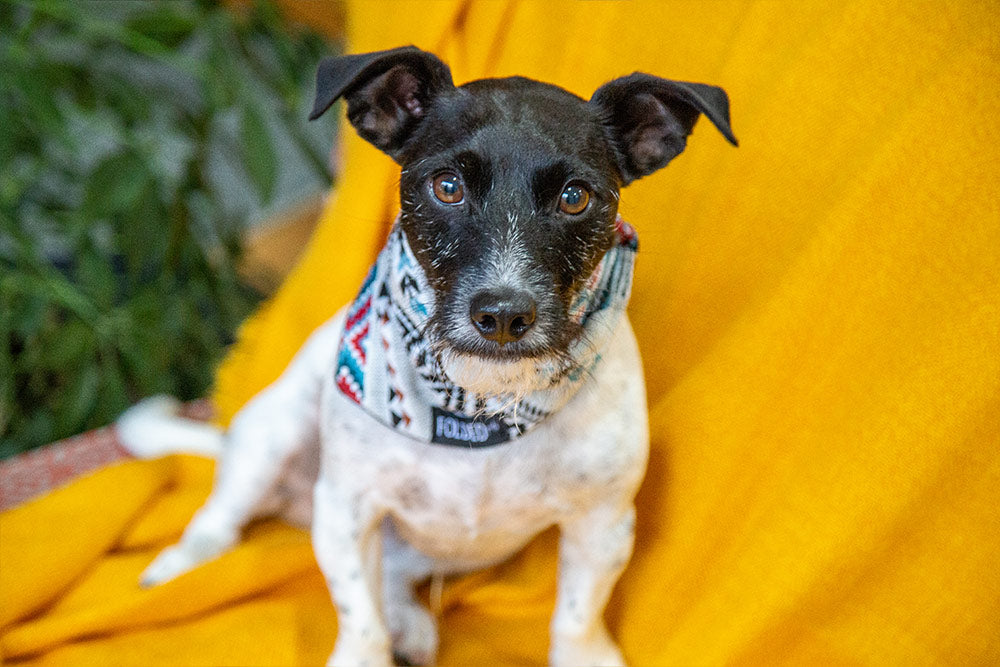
{"points": [[548, 183], [515, 144]]}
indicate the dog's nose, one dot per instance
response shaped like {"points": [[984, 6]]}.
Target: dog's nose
{"points": [[503, 316]]}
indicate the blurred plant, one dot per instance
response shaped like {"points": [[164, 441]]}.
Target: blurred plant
{"points": [[136, 139]]}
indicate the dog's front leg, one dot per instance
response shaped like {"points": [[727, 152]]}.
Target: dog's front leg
{"points": [[593, 550], [347, 542]]}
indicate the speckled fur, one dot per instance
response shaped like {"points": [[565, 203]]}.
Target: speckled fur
{"points": [[431, 509]]}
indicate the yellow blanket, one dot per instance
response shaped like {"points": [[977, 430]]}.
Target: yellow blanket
{"points": [[819, 313]]}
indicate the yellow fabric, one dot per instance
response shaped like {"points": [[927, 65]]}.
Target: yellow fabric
{"points": [[819, 313]]}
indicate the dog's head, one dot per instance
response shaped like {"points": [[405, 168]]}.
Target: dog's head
{"points": [[509, 191]]}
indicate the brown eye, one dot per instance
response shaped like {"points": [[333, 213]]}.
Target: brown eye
{"points": [[574, 199], [448, 188]]}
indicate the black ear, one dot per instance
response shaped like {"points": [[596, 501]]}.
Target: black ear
{"points": [[649, 119], [387, 92]]}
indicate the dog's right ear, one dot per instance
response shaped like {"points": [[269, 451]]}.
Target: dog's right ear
{"points": [[387, 92]]}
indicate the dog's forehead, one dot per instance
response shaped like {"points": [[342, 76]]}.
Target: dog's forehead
{"points": [[511, 114], [522, 99]]}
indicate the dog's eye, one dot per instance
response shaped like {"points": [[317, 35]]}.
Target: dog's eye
{"points": [[574, 199], [448, 188]]}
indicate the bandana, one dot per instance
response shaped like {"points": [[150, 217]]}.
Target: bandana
{"points": [[386, 365]]}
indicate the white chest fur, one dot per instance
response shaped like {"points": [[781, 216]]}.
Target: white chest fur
{"points": [[471, 506]]}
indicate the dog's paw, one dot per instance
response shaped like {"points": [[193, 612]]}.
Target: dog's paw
{"points": [[597, 651], [191, 552], [350, 653], [414, 635], [170, 564]]}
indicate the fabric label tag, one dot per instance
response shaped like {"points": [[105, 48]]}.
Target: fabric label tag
{"points": [[461, 431]]}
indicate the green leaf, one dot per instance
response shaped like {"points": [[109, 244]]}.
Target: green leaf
{"points": [[168, 24], [258, 152], [115, 184], [96, 279], [29, 314], [33, 96], [78, 398], [73, 348], [114, 397], [142, 237]]}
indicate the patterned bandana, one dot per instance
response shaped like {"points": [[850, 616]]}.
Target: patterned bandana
{"points": [[385, 364]]}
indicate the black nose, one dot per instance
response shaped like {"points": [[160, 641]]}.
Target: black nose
{"points": [[503, 316]]}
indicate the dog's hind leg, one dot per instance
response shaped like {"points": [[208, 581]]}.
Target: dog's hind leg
{"points": [[271, 429]]}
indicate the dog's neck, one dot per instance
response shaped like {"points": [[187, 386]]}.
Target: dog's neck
{"points": [[387, 365]]}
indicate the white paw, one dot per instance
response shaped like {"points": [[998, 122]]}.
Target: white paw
{"points": [[356, 652], [191, 552], [171, 563], [596, 651], [414, 633]]}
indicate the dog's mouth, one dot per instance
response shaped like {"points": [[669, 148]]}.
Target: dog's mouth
{"points": [[490, 351], [516, 367], [501, 374]]}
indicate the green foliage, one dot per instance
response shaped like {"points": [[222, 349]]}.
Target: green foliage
{"points": [[135, 141]]}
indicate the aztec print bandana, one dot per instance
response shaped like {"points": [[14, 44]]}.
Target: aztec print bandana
{"points": [[386, 366]]}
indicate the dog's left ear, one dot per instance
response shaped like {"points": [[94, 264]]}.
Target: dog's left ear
{"points": [[649, 119], [387, 92]]}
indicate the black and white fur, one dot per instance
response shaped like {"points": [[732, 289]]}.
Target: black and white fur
{"points": [[387, 511]]}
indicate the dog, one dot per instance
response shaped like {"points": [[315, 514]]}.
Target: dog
{"points": [[486, 384]]}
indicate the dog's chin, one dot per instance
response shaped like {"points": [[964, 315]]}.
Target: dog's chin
{"points": [[509, 375]]}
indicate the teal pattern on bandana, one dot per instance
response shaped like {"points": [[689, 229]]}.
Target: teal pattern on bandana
{"points": [[386, 366]]}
